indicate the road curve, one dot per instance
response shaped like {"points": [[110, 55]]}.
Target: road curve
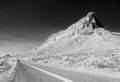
{"points": [[26, 73], [29, 73], [76, 76]]}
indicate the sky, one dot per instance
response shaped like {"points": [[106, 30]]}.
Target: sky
{"points": [[27, 24]]}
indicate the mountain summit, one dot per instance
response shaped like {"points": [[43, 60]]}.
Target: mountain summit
{"points": [[86, 35], [92, 18], [88, 22]]}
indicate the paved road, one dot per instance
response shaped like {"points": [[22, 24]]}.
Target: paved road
{"points": [[76, 76], [26, 73]]}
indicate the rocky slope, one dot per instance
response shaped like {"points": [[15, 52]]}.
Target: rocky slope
{"points": [[7, 68]]}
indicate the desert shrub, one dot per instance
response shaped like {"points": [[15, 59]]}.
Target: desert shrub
{"points": [[67, 59], [45, 61], [2, 63], [71, 62], [106, 65], [34, 59], [102, 66]]}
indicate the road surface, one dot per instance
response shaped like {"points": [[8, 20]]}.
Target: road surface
{"points": [[28, 73], [76, 76]]}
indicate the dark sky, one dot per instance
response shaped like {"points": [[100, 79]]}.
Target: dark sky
{"points": [[33, 21]]}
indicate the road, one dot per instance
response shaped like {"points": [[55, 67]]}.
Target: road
{"points": [[25, 73], [29, 73], [76, 76]]}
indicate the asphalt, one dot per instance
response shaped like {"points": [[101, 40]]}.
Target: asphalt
{"points": [[26, 73], [77, 76]]}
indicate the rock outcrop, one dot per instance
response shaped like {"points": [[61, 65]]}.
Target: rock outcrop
{"points": [[7, 68]]}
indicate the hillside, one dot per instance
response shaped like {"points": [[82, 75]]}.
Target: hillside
{"points": [[85, 44]]}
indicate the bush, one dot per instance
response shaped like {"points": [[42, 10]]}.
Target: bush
{"points": [[102, 66]]}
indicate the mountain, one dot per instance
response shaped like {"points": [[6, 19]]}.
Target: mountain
{"points": [[86, 35], [85, 45]]}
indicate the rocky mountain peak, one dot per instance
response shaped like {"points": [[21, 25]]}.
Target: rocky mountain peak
{"points": [[92, 18], [87, 31], [88, 22], [86, 26]]}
